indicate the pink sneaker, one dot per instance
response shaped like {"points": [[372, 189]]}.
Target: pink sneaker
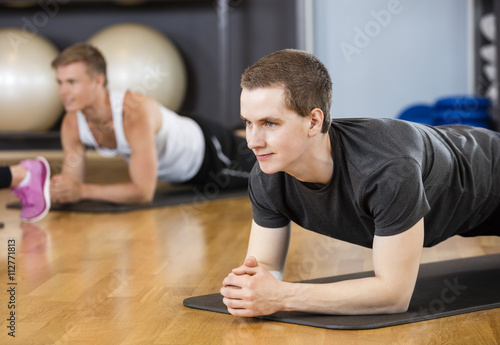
{"points": [[35, 196]]}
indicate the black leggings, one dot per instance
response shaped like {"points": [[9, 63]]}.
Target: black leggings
{"points": [[490, 227], [5, 177], [227, 162]]}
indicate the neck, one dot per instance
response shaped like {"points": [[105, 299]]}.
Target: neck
{"points": [[318, 166], [99, 111]]}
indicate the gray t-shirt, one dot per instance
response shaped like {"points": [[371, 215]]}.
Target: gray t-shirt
{"points": [[387, 175]]}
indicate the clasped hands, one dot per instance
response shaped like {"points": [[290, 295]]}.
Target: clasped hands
{"points": [[250, 290]]}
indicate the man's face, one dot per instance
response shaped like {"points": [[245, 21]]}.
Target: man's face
{"points": [[277, 135], [76, 86]]}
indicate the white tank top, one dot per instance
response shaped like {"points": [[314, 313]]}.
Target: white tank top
{"points": [[180, 143]]}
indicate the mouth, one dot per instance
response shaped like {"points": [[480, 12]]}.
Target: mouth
{"points": [[261, 157]]}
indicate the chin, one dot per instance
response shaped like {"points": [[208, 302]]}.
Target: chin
{"points": [[70, 108], [268, 169]]}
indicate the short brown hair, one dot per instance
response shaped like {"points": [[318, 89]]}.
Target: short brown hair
{"points": [[306, 81], [86, 53]]}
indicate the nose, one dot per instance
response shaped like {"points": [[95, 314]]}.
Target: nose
{"points": [[255, 138]]}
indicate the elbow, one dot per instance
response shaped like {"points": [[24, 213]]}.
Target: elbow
{"points": [[398, 304], [142, 198], [146, 199], [146, 194], [397, 298], [401, 307]]}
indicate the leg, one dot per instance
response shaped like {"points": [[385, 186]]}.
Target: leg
{"points": [[5, 177], [490, 227], [11, 176], [228, 161], [18, 174]]}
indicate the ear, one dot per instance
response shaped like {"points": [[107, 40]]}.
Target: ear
{"points": [[100, 79], [316, 117]]}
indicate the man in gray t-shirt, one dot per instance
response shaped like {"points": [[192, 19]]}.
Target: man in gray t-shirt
{"points": [[386, 184], [387, 175]]}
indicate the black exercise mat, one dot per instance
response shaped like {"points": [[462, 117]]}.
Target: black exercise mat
{"points": [[163, 197], [443, 289]]}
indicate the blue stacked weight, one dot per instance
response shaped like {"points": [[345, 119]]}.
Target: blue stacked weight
{"points": [[420, 113], [470, 111]]}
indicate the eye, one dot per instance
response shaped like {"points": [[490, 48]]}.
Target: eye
{"points": [[270, 124], [247, 123]]}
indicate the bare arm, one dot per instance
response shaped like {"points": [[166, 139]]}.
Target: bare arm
{"points": [[141, 119], [270, 246], [249, 291], [73, 149], [62, 186]]}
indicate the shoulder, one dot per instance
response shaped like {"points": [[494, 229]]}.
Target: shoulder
{"points": [[370, 149], [139, 111], [69, 123], [377, 140], [70, 134], [268, 198], [70, 119], [135, 102], [260, 179], [376, 126], [267, 187]]}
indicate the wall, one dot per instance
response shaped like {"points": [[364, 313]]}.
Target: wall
{"points": [[385, 55], [255, 28]]}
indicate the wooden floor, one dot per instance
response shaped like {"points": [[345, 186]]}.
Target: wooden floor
{"points": [[121, 279]]}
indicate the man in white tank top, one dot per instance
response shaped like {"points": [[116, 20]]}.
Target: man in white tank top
{"points": [[158, 144]]}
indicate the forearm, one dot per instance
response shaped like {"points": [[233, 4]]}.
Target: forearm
{"points": [[250, 290], [122, 193], [359, 296], [270, 247]]}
